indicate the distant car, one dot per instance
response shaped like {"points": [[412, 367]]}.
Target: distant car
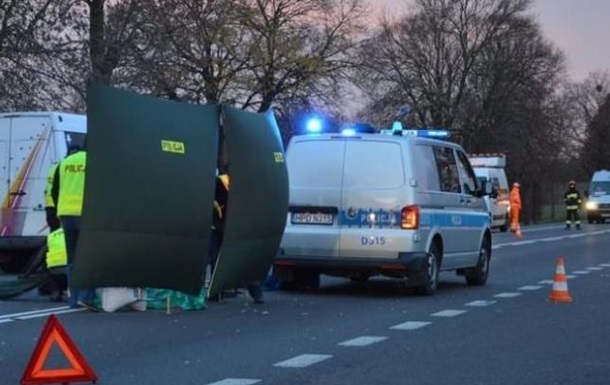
{"points": [[398, 205], [598, 201]]}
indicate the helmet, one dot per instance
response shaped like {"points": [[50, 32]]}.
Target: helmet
{"points": [[516, 184]]}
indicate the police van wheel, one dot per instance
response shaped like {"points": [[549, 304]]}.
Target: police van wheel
{"points": [[431, 275], [477, 276], [504, 227]]}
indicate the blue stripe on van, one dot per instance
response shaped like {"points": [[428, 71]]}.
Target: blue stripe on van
{"points": [[391, 218]]}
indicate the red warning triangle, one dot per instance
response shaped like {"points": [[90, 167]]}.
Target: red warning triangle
{"points": [[54, 333]]}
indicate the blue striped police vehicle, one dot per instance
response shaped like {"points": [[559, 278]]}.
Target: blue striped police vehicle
{"points": [[400, 203]]}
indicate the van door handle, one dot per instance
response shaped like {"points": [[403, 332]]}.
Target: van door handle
{"points": [[18, 193], [465, 200]]}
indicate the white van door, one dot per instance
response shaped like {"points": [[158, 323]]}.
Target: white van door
{"points": [[315, 169], [475, 210], [26, 175], [372, 198]]}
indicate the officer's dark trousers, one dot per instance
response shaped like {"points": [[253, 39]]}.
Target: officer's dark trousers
{"points": [[71, 226], [572, 217]]}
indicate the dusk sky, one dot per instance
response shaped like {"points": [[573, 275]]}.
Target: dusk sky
{"points": [[580, 28]]}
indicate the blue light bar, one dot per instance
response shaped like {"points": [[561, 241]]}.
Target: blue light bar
{"points": [[348, 132]]}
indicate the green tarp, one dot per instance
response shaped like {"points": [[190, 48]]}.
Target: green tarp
{"points": [[148, 192], [258, 199]]}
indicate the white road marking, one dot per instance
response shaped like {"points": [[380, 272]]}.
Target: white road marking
{"points": [[605, 264], [448, 313], [530, 287], [552, 239], [496, 247], [507, 295], [547, 282], [481, 303], [363, 341], [581, 272], [570, 276], [520, 243], [236, 381], [410, 325], [47, 314], [576, 235], [594, 268], [2, 321], [303, 360], [46, 311]]}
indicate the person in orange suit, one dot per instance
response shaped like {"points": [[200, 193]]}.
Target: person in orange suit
{"points": [[515, 208]]}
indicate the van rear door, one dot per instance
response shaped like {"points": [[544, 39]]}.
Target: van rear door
{"points": [[372, 198], [25, 175], [315, 169]]}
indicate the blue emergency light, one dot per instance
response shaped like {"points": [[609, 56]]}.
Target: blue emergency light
{"points": [[314, 125], [348, 132], [397, 129]]}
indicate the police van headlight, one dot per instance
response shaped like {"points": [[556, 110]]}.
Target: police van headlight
{"points": [[591, 205]]}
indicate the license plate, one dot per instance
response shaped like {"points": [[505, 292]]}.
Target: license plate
{"points": [[312, 218]]}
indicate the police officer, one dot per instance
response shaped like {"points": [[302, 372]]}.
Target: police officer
{"points": [[220, 211], [572, 201], [68, 192], [57, 259], [515, 208], [49, 204]]}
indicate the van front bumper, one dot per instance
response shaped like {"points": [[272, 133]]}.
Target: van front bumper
{"points": [[410, 264]]}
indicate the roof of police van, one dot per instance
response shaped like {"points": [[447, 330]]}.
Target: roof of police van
{"points": [[370, 136]]}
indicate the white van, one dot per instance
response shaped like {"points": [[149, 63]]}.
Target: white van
{"points": [[598, 199], [401, 206], [489, 168], [30, 142]]}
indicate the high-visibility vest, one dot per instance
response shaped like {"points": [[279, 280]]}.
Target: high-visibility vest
{"points": [[48, 197], [71, 184], [57, 255], [220, 202]]}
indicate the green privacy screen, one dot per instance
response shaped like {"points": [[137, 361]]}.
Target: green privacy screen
{"points": [[148, 192], [258, 199]]}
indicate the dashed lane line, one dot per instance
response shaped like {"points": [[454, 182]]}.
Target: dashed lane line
{"points": [[363, 341], [546, 282], [236, 381], [481, 303], [448, 313], [594, 268], [3, 321], [410, 325], [530, 287], [302, 361], [507, 295]]}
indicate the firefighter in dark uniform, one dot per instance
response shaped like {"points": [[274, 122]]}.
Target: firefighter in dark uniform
{"points": [[573, 201]]}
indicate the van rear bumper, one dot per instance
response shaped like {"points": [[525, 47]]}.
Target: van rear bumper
{"points": [[21, 243], [409, 264]]}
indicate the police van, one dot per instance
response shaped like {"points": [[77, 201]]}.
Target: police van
{"points": [[30, 143], [489, 168], [398, 204], [598, 197]]}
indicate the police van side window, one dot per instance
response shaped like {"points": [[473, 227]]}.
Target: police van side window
{"points": [[469, 180], [427, 172], [447, 169]]}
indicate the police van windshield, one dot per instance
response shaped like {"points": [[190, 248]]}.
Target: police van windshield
{"points": [[600, 188], [74, 138]]}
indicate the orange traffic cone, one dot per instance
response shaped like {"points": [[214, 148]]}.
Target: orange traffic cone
{"points": [[560, 284]]}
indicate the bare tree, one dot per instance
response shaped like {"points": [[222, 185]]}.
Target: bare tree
{"points": [[296, 43]]}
